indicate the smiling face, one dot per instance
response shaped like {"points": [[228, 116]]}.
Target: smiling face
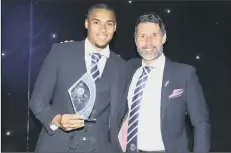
{"points": [[101, 25], [149, 40]]}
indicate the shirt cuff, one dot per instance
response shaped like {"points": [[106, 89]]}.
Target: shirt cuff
{"points": [[53, 127]]}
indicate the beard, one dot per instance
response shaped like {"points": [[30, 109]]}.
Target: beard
{"points": [[153, 54]]}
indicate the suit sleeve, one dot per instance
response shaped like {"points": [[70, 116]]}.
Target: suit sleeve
{"points": [[198, 112], [43, 90]]}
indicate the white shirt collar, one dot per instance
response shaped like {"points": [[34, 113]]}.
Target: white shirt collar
{"points": [[157, 63], [89, 48]]}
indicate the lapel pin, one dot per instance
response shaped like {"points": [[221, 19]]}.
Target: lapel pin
{"points": [[166, 83]]}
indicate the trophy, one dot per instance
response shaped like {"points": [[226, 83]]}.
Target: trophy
{"points": [[83, 94]]}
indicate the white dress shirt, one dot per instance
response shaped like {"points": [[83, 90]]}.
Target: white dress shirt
{"points": [[105, 53], [89, 49], [149, 125]]}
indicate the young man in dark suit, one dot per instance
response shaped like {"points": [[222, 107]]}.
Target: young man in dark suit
{"points": [[63, 130]]}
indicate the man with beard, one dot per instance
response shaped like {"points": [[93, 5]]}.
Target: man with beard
{"points": [[63, 130], [159, 94]]}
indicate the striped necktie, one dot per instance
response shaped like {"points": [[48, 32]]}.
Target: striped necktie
{"points": [[94, 67], [134, 112]]}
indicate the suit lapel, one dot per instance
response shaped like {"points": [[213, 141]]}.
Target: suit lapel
{"points": [[107, 76], [79, 66], [132, 70], [165, 89], [107, 70], [81, 58], [109, 67], [133, 66]]}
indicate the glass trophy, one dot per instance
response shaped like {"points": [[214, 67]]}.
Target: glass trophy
{"points": [[83, 94]]}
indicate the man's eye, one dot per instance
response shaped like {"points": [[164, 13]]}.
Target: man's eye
{"points": [[110, 24]]}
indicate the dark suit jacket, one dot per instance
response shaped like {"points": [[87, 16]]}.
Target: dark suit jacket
{"points": [[173, 110], [62, 67]]}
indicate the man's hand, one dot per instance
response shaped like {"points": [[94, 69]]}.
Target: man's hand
{"points": [[69, 122]]}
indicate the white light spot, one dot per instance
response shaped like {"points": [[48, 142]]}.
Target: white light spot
{"points": [[130, 2], [197, 57], [54, 35], [8, 133], [3, 54], [168, 11]]}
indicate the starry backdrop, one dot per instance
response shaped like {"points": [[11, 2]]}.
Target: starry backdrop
{"points": [[198, 34]]}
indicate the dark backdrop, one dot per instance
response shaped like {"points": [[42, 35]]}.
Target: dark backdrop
{"points": [[193, 29]]}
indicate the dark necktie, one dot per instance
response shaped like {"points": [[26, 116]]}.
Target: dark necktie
{"points": [[94, 66]]}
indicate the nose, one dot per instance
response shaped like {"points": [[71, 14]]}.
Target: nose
{"points": [[102, 27], [148, 40]]}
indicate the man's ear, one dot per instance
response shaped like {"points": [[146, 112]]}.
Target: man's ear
{"points": [[164, 38], [115, 27], [86, 23]]}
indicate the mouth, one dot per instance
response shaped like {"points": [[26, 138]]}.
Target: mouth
{"points": [[101, 36], [148, 49]]}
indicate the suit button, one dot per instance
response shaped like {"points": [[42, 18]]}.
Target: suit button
{"points": [[71, 137]]}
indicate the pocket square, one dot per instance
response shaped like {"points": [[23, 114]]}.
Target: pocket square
{"points": [[176, 93]]}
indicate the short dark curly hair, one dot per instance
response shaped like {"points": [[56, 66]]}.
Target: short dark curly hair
{"points": [[105, 6]]}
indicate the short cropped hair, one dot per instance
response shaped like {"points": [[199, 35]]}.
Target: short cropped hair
{"points": [[100, 6]]}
